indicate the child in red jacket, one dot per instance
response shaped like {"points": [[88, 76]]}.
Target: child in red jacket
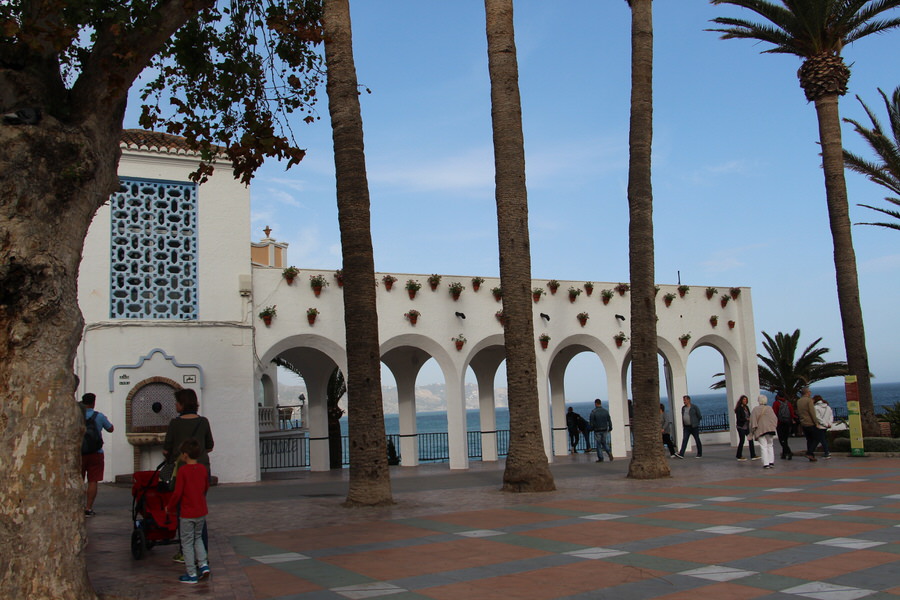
{"points": [[191, 485]]}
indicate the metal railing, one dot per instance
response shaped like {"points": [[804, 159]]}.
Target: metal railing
{"points": [[292, 452]]}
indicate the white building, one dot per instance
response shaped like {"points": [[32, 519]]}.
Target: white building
{"points": [[171, 286]]}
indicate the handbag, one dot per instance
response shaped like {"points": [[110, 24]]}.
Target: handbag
{"points": [[167, 476]]}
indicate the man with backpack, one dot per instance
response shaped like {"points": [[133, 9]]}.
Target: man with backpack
{"points": [[92, 449], [786, 420]]}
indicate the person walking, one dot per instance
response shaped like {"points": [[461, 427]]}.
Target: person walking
{"points": [[787, 418], [742, 424], [690, 426], [762, 427], [574, 431], [806, 411], [668, 430], [824, 421], [602, 425], [92, 459]]}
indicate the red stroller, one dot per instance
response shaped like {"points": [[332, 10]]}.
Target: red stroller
{"points": [[152, 526]]}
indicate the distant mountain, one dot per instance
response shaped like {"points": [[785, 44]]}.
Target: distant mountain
{"points": [[429, 398]]}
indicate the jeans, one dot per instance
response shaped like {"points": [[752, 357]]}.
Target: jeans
{"points": [[822, 438], [740, 449], [573, 439], [690, 431], [192, 544], [667, 440], [767, 449], [812, 439], [601, 441], [784, 436]]}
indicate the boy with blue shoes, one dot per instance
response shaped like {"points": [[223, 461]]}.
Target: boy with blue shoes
{"points": [[189, 502]]}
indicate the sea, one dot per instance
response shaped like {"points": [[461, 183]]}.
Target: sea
{"points": [[884, 394]]}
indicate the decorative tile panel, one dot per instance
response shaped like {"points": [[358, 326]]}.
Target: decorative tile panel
{"points": [[153, 250]]}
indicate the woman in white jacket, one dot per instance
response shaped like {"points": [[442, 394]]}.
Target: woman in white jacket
{"points": [[824, 421], [763, 422]]}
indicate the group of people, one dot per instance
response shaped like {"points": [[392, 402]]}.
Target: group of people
{"points": [[764, 424], [187, 445]]}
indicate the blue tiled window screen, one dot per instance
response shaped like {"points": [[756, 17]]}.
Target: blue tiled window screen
{"points": [[153, 245]]}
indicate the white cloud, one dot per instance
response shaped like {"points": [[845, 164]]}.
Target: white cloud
{"points": [[881, 264]]}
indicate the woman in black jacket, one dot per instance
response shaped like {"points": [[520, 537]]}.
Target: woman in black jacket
{"points": [[742, 423]]}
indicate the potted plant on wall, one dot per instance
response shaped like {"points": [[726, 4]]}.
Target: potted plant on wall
{"points": [[311, 314], [622, 288], [685, 338], [683, 290], [667, 298], [476, 283], [544, 340], [724, 299], [605, 295], [553, 285], [574, 292], [290, 273], [498, 293], [500, 317], [339, 277], [412, 287], [710, 292], [536, 294], [730, 324], [412, 316], [388, 281], [735, 292], [459, 340], [317, 282], [620, 338], [714, 320], [434, 281], [588, 287], [267, 313], [582, 318], [456, 289]]}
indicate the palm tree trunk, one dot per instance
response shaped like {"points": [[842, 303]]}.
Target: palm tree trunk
{"points": [[647, 461], [844, 256], [369, 476], [527, 469]]}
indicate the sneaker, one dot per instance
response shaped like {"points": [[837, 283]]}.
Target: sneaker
{"points": [[179, 557], [599, 460], [699, 456], [827, 457], [743, 459], [610, 458], [678, 455], [89, 513], [811, 458], [188, 578], [755, 457], [768, 467], [203, 572]]}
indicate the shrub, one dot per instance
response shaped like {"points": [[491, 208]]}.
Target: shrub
{"points": [[871, 444]]}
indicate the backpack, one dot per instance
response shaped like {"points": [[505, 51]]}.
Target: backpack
{"points": [[784, 412], [92, 441]]}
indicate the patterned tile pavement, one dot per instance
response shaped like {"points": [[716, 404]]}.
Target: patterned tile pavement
{"points": [[716, 529]]}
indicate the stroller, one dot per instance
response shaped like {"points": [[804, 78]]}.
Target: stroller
{"points": [[152, 526]]}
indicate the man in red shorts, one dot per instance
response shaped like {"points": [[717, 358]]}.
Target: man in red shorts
{"points": [[92, 449]]}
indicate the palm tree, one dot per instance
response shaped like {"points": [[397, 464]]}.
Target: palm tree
{"points": [[816, 31], [886, 172], [783, 370], [370, 481], [647, 460], [527, 469]]}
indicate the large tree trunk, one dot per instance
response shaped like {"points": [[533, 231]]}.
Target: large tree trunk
{"points": [[647, 461], [53, 177], [369, 475], [527, 469], [844, 256]]}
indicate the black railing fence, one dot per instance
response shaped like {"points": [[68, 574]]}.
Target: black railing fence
{"points": [[292, 452]]}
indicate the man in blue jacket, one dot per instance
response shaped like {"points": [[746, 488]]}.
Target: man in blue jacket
{"points": [[690, 427], [602, 425]]}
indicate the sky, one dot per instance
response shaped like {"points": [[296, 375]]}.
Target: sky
{"points": [[738, 189]]}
